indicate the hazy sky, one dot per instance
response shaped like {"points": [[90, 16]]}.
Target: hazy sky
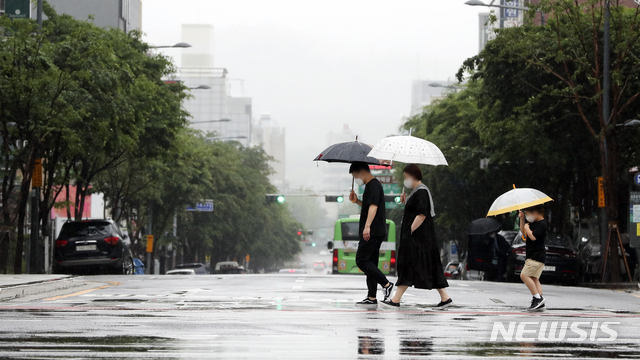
{"points": [[315, 65]]}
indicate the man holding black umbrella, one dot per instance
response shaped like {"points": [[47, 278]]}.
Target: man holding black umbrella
{"points": [[372, 230]]}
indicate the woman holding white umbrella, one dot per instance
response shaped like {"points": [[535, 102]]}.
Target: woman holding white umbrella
{"points": [[419, 262]]}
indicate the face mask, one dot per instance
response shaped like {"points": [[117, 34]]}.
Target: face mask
{"points": [[408, 183], [359, 182], [530, 218]]}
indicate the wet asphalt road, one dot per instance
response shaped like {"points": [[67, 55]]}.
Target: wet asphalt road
{"points": [[299, 317]]}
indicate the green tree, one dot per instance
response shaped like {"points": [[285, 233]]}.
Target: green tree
{"points": [[549, 79]]}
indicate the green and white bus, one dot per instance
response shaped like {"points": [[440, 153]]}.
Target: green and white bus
{"points": [[345, 245]]}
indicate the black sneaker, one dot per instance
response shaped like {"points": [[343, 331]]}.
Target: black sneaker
{"points": [[390, 302], [387, 291], [367, 301], [536, 304], [444, 304]]}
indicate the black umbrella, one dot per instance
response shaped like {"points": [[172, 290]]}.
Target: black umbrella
{"points": [[483, 226], [348, 152]]}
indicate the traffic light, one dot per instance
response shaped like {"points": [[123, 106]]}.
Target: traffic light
{"points": [[313, 244], [275, 198], [334, 198], [392, 198], [300, 232]]}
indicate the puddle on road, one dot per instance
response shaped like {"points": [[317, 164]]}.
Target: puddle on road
{"points": [[545, 350], [70, 343]]}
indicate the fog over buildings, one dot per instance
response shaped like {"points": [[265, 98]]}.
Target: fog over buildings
{"points": [[314, 66]]}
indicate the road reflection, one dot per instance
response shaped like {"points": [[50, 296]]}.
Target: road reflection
{"points": [[370, 345], [416, 347]]}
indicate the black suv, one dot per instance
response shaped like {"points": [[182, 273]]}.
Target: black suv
{"points": [[92, 245]]}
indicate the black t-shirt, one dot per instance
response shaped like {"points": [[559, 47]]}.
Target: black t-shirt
{"points": [[535, 248], [373, 195]]}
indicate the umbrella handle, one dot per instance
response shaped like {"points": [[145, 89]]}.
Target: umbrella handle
{"points": [[353, 179]]}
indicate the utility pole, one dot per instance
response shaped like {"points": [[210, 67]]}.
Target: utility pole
{"points": [[606, 114], [149, 248], [39, 14], [36, 183]]}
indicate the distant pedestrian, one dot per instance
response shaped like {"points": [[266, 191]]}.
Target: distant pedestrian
{"points": [[534, 232], [419, 262], [372, 231]]}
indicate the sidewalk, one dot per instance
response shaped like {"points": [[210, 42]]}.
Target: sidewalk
{"points": [[14, 286]]}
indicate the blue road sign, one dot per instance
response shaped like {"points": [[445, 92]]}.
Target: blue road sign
{"points": [[203, 206], [509, 12], [636, 178]]}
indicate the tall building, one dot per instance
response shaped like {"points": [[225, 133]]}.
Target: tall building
{"points": [[267, 133], [484, 30], [215, 102], [422, 94], [118, 14]]}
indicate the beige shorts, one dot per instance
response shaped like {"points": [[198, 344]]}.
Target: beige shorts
{"points": [[532, 268]]}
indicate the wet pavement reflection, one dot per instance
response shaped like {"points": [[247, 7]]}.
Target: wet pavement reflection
{"points": [[227, 319], [417, 346]]}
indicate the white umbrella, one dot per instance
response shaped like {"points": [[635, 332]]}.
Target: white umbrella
{"points": [[408, 150], [517, 199]]}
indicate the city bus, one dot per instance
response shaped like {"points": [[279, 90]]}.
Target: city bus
{"points": [[345, 245]]}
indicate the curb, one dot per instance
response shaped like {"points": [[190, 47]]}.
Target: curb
{"points": [[38, 287], [612, 286]]}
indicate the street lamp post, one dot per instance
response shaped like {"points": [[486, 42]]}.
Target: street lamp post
{"points": [[629, 123], [211, 121], [181, 45], [491, 4], [438, 85], [226, 138]]}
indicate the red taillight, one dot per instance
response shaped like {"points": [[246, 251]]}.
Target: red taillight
{"points": [[291, 271], [335, 256], [393, 259], [479, 260], [112, 240], [61, 243]]}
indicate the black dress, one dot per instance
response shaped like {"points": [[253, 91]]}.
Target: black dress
{"points": [[419, 262]]}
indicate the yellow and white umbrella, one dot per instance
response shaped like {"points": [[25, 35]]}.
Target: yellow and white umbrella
{"points": [[517, 199]]}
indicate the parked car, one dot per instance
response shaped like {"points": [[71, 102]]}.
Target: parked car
{"points": [[138, 267], [590, 256], [197, 268], [562, 263], [452, 270], [92, 246], [228, 267], [181, 272], [291, 271]]}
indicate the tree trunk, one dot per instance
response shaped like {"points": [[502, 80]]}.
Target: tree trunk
{"points": [[23, 199]]}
